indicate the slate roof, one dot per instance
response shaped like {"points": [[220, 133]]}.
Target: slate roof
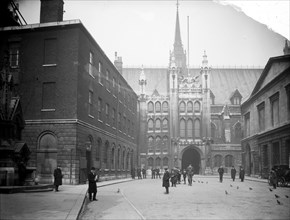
{"points": [[223, 81]]}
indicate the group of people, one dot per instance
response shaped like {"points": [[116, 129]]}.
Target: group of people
{"points": [[233, 173], [141, 173]]}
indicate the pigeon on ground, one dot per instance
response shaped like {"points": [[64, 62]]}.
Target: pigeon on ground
{"points": [[226, 192], [201, 181], [231, 185], [270, 189], [277, 196], [250, 188], [238, 187], [286, 196], [118, 190], [279, 203]]}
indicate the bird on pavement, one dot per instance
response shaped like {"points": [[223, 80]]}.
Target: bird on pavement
{"points": [[279, 203], [277, 196], [231, 185], [118, 190], [201, 181], [286, 196], [270, 189], [238, 187], [250, 188], [226, 192]]}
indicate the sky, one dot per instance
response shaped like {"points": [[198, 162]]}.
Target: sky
{"points": [[233, 33]]}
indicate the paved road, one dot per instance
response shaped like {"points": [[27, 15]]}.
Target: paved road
{"points": [[145, 199]]}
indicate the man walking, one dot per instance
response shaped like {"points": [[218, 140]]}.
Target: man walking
{"points": [[165, 180], [221, 173], [93, 178], [233, 173], [242, 174], [57, 178]]}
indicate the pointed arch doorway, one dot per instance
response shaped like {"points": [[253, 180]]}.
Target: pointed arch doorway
{"points": [[191, 156]]}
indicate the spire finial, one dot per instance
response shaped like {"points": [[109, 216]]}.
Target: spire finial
{"points": [[177, 4]]}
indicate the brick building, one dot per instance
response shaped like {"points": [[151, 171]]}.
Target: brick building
{"points": [[266, 116], [190, 115], [78, 109]]}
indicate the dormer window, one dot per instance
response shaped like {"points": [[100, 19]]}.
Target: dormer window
{"points": [[236, 101], [236, 97]]}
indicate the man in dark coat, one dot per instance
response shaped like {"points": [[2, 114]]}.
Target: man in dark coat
{"points": [[273, 178], [165, 180], [233, 173], [57, 178], [221, 173], [93, 178], [242, 174], [144, 173]]}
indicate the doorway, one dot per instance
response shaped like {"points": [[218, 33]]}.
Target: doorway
{"points": [[191, 156]]}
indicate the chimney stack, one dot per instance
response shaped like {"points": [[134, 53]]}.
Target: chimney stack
{"points": [[118, 63], [51, 11]]}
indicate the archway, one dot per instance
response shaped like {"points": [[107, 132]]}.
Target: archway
{"points": [[191, 156]]}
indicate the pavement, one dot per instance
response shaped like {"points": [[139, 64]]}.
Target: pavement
{"points": [[67, 204]]}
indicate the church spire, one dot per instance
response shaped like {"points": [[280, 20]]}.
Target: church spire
{"points": [[177, 40]]}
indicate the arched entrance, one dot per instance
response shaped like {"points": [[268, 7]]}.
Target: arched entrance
{"points": [[191, 156]]}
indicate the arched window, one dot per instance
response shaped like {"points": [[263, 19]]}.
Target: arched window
{"points": [[157, 107], [150, 107], [127, 161], [238, 130], [196, 107], [165, 162], [98, 149], [197, 128], [182, 107], [182, 128], [124, 159], [165, 125], [165, 106], [150, 162], [217, 160], [118, 159], [189, 128], [150, 125], [158, 162], [150, 141], [229, 161], [158, 139], [157, 125], [213, 130], [189, 107]]}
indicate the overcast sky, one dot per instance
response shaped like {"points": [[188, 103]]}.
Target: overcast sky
{"points": [[142, 32]]}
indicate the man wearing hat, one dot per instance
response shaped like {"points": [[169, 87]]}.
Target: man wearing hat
{"points": [[165, 180], [93, 178]]}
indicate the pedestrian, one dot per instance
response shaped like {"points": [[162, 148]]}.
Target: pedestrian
{"points": [[273, 178], [158, 173], [242, 174], [144, 173], [133, 173], [153, 173], [165, 180], [233, 173], [221, 173], [139, 173], [57, 178], [93, 178], [190, 174], [184, 176]]}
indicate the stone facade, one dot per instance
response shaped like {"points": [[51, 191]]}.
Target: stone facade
{"points": [[267, 119]]}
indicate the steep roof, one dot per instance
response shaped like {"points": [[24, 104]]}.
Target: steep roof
{"points": [[223, 82]]}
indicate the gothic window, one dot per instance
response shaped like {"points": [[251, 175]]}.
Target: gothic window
{"points": [[182, 128], [189, 128], [165, 125], [165, 106], [165, 162], [150, 125], [189, 107], [150, 162], [213, 130], [197, 128], [217, 160], [150, 141], [182, 107], [238, 130], [158, 107], [150, 107], [229, 161], [196, 107], [158, 139], [157, 125], [157, 162]]}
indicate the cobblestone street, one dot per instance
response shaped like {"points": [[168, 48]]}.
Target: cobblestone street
{"points": [[205, 199]]}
